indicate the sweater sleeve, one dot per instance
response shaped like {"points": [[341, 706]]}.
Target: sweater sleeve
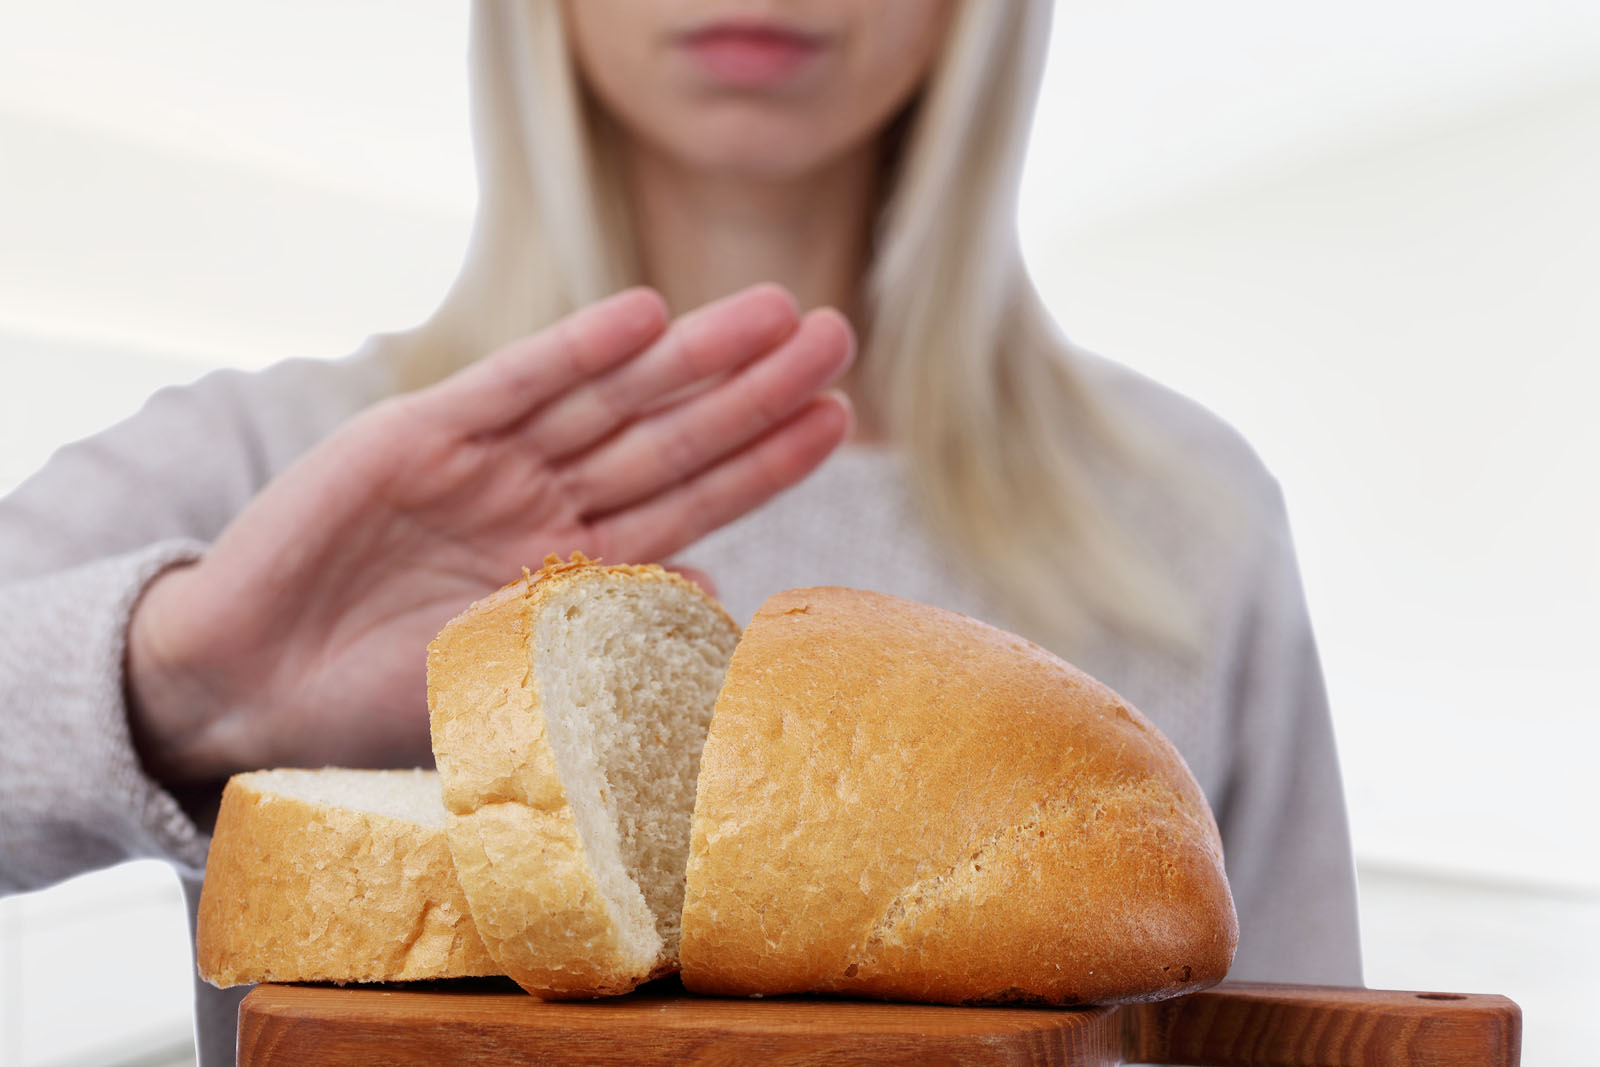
{"points": [[1285, 833], [73, 795], [79, 541]]}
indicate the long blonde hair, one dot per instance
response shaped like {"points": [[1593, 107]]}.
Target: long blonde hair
{"points": [[961, 365]]}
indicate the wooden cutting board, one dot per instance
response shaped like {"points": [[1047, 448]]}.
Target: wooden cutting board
{"points": [[1237, 1024]]}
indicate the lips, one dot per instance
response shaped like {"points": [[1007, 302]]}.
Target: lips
{"points": [[751, 55]]}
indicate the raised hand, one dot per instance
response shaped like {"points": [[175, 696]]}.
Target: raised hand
{"points": [[299, 639]]}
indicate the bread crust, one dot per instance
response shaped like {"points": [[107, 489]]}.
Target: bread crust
{"points": [[901, 802], [302, 892], [510, 826]]}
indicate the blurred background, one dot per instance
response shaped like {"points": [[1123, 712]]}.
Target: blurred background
{"points": [[1367, 233]]}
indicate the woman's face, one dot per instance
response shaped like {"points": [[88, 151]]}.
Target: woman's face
{"points": [[763, 89]]}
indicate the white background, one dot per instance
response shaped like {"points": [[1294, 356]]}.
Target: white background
{"points": [[1366, 232]]}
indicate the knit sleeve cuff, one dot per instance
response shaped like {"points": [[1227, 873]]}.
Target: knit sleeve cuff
{"points": [[73, 791]]}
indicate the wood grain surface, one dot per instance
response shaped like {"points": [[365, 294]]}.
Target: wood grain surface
{"points": [[1246, 1024], [480, 1022], [1235, 1025]]}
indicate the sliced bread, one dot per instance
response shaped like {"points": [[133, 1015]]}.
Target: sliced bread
{"points": [[568, 713], [897, 801], [334, 876]]}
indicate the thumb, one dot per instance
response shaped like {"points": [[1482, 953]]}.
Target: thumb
{"points": [[695, 575]]}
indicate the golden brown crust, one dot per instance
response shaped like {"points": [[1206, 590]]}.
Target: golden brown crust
{"points": [[303, 892], [511, 830], [901, 802]]}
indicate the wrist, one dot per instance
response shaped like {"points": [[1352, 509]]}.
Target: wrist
{"points": [[173, 716]]}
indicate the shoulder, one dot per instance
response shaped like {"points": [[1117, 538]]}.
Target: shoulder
{"points": [[1185, 439], [1195, 494]]}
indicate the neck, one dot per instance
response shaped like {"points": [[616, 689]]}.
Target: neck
{"points": [[703, 237]]}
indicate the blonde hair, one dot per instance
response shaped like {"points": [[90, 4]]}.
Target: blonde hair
{"points": [[961, 365]]}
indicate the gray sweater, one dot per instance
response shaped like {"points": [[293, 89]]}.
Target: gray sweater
{"points": [[79, 540]]}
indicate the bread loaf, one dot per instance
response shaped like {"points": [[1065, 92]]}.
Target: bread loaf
{"points": [[568, 712], [900, 802], [333, 876], [893, 801]]}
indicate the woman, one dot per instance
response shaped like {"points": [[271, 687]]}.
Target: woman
{"points": [[245, 573]]}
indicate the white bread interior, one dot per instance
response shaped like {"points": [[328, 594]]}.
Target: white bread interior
{"points": [[409, 795]]}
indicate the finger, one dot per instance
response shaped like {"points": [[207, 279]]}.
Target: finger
{"points": [[673, 445], [695, 575], [505, 386], [683, 514], [700, 346]]}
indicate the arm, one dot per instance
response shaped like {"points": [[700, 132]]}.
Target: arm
{"points": [[297, 638], [1282, 813], [79, 543]]}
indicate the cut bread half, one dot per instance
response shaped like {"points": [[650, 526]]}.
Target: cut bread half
{"points": [[900, 802], [334, 876], [568, 712]]}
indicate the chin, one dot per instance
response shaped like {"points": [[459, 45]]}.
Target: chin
{"points": [[762, 150], [739, 163]]}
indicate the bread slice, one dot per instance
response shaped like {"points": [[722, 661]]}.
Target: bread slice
{"points": [[897, 801], [568, 713], [333, 876]]}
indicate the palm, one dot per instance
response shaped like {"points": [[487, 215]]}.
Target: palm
{"points": [[318, 602]]}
